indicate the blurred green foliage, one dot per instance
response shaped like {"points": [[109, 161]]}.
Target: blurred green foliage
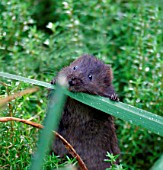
{"points": [[38, 38]]}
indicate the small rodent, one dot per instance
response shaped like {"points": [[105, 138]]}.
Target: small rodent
{"points": [[91, 132]]}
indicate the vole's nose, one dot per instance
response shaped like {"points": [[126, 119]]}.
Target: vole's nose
{"points": [[72, 81]]}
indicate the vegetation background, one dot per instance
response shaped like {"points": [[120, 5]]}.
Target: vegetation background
{"points": [[38, 38]]}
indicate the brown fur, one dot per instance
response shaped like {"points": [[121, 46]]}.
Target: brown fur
{"points": [[90, 131]]}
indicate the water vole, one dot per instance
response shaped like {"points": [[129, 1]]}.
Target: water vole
{"points": [[90, 131]]}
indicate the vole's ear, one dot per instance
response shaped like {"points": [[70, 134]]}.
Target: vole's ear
{"points": [[111, 93], [110, 73]]}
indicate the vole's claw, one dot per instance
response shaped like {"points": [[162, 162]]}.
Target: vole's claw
{"points": [[114, 97], [53, 81]]}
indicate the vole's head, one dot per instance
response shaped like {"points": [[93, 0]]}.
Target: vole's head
{"points": [[88, 74]]}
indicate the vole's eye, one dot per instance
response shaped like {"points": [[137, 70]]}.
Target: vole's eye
{"points": [[74, 68], [90, 77]]}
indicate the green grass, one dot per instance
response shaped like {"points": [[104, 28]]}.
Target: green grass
{"points": [[126, 35]]}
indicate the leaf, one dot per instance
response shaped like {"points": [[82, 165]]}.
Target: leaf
{"points": [[26, 80], [158, 165], [123, 111], [134, 115]]}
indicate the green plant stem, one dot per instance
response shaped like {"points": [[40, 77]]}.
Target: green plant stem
{"points": [[54, 110]]}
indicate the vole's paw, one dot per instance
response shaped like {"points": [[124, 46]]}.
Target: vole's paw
{"points": [[53, 81], [114, 97]]}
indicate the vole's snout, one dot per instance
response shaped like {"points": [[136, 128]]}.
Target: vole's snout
{"points": [[74, 81]]}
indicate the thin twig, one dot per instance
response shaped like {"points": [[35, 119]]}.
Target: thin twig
{"points": [[3, 84], [5, 100], [64, 141]]}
